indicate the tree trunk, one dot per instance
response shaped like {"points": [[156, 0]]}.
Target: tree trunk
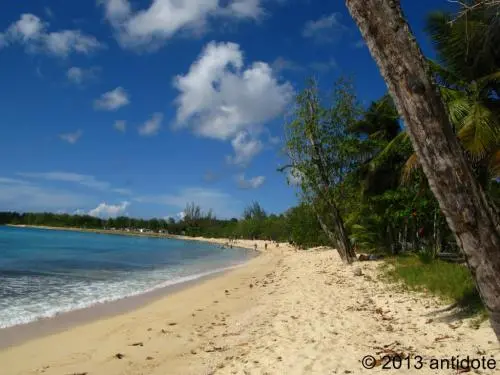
{"points": [[344, 242], [405, 236], [437, 235], [339, 237], [473, 220]]}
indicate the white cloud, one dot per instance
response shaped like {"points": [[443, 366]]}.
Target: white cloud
{"points": [[71, 138], [326, 29], [166, 18], [112, 100], [181, 215], [31, 32], [223, 204], [244, 9], [19, 195], [221, 99], [245, 149], [81, 179], [152, 126], [251, 183], [218, 98], [120, 125], [75, 74], [79, 76], [109, 210]]}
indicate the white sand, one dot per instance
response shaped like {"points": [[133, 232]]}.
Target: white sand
{"points": [[285, 312]]}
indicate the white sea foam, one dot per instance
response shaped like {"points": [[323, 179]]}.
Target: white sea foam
{"points": [[86, 293]]}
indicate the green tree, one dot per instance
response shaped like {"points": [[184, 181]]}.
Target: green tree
{"points": [[322, 151], [472, 218], [254, 211]]}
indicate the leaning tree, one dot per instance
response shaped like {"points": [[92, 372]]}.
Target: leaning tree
{"points": [[471, 217]]}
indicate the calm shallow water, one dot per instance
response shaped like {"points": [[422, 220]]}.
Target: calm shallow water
{"points": [[46, 272]]}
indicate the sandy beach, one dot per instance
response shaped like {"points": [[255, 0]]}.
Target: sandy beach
{"points": [[284, 312]]}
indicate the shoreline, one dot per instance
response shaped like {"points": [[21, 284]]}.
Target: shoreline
{"points": [[97, 231], [281, 312], [241, 243], [220, 241], [21, 333]]}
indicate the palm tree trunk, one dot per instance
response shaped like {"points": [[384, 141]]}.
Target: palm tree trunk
{"points": [[473, 220]]}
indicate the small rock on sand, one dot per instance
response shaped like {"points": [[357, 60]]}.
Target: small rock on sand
{"points": [[357, 272]]}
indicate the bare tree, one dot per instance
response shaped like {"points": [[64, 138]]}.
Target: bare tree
{"points": [[473, 220]]}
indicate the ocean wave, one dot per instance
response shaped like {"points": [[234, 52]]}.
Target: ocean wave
{"points": [[22, 307]]}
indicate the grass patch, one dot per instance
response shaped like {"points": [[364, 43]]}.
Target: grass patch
{"points": [[451, 282]]}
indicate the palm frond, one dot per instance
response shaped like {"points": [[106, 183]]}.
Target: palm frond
{"points": [[444, 76], [393, 147], [488, 79], [411, 165], [479, 131]]}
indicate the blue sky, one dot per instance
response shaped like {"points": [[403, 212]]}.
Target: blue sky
{"points": [[110, 107]]}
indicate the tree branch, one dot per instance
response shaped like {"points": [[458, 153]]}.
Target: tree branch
{"points": [[466, 8]]}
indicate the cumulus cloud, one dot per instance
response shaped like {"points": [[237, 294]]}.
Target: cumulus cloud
{"points": [[109, 210], [165, 18], [112, 100], [219, 98], [31, 32], [152, 126], [245, 149], [81, 179], [251, 183], [71, 138], [326, 29], [79, 76], [120, 125]]}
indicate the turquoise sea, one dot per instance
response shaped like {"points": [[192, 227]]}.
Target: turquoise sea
{"points": [[47, 272]]}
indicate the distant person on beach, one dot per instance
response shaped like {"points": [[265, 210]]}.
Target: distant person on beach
{"points": [[265, 246], [255, 246]]}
